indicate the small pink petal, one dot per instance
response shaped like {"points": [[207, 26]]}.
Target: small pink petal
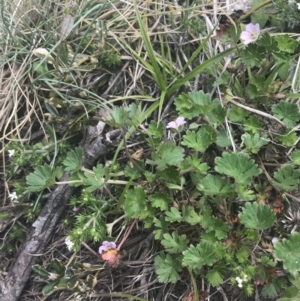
{"points": [[257, 27], [172, 125], [245, 35], [113, 245], [177, 123], [180, 121], [250, 27], [106, 245], [102, 249]]}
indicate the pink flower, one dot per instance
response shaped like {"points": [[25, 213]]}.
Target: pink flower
{"points": [[176, 124], [251, 34], [109, 252], [106, 246]]}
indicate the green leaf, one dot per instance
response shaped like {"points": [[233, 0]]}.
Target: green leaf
{"points": [[42, 177], [219, 228], [223, 139], [94, 181], [167, 268], [160, 200], [289, 138], [73, 281], [162, 226], [135, 114], [117, 117], [49, 288], [254, 142], [283, 72], [134, 172], [237, 114], [168, 154], [215, 185], [150, 177], [258, 82], [190, 216], [270, 291], [169, 175], [244, 193], [156, 129], [286, 44], [252, 91], [197, 257], [267, 261], [252, 55], [73, 161], [253, 124], [291, 292], [257, 216], [41, 69], [287, 178], [193, 162], [296, 156], [236, 165], [281, 57], [295, 280], [40, 270], [173, 215], [267, 41], [288, 112], [174, 243], [58, 266], [260, 16], [242, 255], [297, 298], [91, 281], [135, 201], [217, 115], [288, 251], [214, 277], [194, 104], [199, 141]]}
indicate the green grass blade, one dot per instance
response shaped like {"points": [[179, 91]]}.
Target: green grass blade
{"points": [[160, 80], [199, 69], [196, 53]]}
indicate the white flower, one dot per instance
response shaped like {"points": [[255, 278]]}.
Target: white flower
{"points": [[251, 33], [53, 276], [240, 285], [298, 4], [239, 280], [13, 196], [245, 278], [69, 243], [11, 152]]}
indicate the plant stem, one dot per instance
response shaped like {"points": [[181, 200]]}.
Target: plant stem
{"points": [[253, 10], [127, 234]]}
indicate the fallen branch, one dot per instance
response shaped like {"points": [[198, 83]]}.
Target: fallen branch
{"points": [[43, 228]]}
